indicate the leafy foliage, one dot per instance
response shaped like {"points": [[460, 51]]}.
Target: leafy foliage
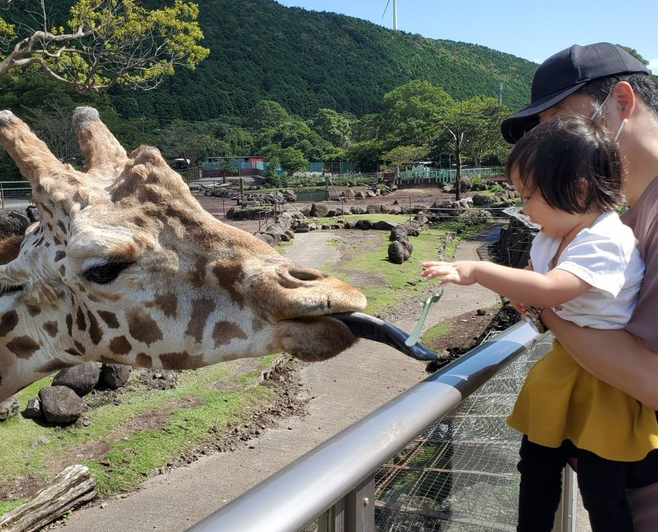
{"points": [[105, 42]]}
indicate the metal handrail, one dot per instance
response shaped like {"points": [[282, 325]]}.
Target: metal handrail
{"points": [[295, 495]]}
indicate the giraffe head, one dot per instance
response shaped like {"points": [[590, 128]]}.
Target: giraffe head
{"points": [[126, 267]]}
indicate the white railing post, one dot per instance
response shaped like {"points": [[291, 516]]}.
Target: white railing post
{"points": [[565, 518]]}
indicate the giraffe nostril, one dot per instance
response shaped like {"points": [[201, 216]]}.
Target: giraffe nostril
{"points": [[306, 274]]}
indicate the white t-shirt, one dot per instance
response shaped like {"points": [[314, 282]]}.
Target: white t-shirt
{"points": [[604, 256]]}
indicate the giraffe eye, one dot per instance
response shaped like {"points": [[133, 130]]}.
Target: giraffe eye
{"points": [[105, 273]]}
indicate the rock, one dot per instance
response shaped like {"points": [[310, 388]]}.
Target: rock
{"points": [[357, 210], [319, 210], [9, 226], [269, 239], [374, 209], [33, 409], [61, 405], [81, 379], [114, 376], [383, 225], [363, 225], [480, 200], [8, 408], [22, 219], [397, 253], [398, 232]]}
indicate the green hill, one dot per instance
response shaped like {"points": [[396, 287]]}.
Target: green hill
{"points": [[305, 61], [309, 60]]}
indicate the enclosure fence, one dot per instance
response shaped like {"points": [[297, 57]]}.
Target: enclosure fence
{"points": [[437, 457], [15, 195]]}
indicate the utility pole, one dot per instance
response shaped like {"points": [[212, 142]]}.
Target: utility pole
{"points": [[500, 98]]}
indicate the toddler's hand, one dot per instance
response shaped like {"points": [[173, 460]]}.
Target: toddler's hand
{"points": [[521, 308], [461, 272]]}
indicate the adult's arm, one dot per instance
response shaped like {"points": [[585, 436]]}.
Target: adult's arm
{"points": [[613, 356]]}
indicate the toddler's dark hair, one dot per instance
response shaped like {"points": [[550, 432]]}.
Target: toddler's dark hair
{"points": [[556, 157]]}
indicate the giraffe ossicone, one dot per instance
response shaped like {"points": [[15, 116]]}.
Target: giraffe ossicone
{"points": [[126, 267]]}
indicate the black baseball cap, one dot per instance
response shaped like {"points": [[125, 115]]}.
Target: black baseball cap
{"points": [[563, 74]]}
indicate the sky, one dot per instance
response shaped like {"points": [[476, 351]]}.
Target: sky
{"points": [[525, 28]]}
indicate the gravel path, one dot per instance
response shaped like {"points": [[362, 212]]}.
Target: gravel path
{"points": [[342, 390]]}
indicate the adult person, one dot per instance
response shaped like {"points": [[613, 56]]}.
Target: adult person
{"points": [[604, 81]]}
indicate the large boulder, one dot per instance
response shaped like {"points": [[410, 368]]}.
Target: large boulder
{"points": [[81, 379], [364, 225], [8, 408], [319, 210], [61, 405], [114, 376], [397, 253]]}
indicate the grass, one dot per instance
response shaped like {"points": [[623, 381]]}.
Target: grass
{"points": [[133, 454], [372, 217], [384, 283], [434, 332]]}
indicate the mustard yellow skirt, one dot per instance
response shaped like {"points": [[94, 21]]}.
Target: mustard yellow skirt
{"points": [[561, 401]]}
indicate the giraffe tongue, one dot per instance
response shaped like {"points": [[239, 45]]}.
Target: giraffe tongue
{"points": [[371, 328]]}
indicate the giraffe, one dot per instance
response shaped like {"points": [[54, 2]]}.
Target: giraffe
{"points": [[126, 267]]}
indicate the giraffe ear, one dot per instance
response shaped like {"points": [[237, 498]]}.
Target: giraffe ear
{"points": [[103, 153], [52, 181]]}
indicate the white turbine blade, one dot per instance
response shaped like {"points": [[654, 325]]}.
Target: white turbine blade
{"points": [[384, 13]]}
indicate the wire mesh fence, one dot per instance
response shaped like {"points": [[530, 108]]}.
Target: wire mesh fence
{"points": [[460, 474], [15, 195]]}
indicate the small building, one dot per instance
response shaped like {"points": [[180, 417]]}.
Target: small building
{"points": [[241, 166]]}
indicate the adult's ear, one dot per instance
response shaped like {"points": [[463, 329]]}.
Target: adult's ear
{"points": [[625, 99]]}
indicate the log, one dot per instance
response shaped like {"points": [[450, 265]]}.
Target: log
{"points": [[70, 488]]}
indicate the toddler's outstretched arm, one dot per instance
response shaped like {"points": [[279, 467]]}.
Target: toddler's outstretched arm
{"points": [[534, 289]]}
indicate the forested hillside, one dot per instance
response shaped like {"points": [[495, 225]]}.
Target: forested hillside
{"points": [[309, 60]]}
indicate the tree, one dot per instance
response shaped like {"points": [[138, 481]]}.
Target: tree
{"points": [[188, 140], [106, 43], [412, 114], [332, 127], [470, 126], [405, 155], [482, 128], [265, 114]]}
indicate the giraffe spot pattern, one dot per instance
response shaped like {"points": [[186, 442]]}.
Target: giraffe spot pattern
{"points": [[79, 347], [120, 345], [52, 328], [198, 274], [143, 328], [95, 332], [23, 346], [59, 255], [144, 361], [225, 331], [228, 276], [54, 365], [80, 320], [168, 303], [201, 310], [33, 310], [181, 360], [8, 322], [109, 318], [69, 324]]}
